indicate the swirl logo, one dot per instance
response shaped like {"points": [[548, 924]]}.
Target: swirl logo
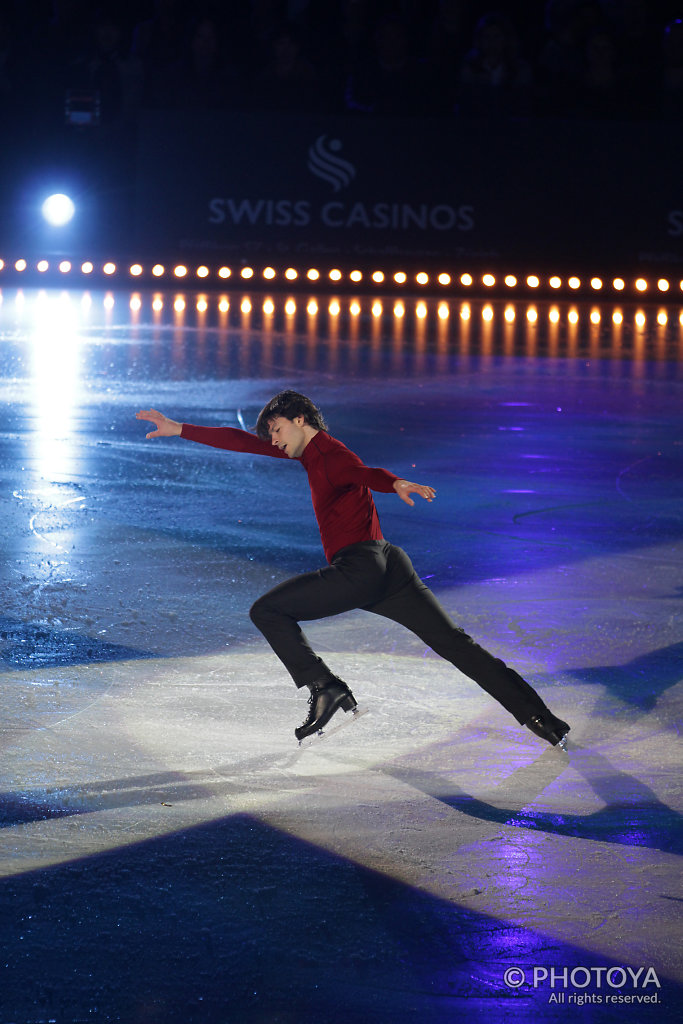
{"points": [[325, 164]]}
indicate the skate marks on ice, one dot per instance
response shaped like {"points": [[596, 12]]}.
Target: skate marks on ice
{"points": [[230, 719], [443, 793], [199, 736]]}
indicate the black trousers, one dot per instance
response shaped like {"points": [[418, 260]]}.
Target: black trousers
{"points": [[379, 577]]}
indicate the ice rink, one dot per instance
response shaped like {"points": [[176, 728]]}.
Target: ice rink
{"points": [[169, 855]]}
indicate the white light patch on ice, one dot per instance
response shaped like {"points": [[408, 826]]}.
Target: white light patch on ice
{"points": [[55, 349]]}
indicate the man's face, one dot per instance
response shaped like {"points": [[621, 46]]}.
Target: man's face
{"points": [[288, 435]]}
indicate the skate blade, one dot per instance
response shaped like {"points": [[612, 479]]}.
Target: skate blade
{"points": [[348, 719]]}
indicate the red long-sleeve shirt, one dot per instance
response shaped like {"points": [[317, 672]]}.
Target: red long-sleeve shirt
{"points": [[340, 482]]}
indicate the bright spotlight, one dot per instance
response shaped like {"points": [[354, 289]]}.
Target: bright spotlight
{"points": [[58, 209]]}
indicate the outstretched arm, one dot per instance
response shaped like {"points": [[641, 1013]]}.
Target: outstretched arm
{"points": [[404, 488], [349, 469], [165, 427], [228, 438]]}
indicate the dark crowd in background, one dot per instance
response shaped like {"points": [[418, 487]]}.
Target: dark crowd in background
{"points": [[92, 65]]}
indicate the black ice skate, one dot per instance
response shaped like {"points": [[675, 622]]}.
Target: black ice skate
{"points": [[549, 728], [326, 698]]}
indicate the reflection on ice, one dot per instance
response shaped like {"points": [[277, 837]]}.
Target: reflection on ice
{"points": [[55, 387]]}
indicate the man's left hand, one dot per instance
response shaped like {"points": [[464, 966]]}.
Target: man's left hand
{"points": [[404, 488]]}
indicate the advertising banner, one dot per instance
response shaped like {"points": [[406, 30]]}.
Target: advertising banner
{"points": [[392, 191]]}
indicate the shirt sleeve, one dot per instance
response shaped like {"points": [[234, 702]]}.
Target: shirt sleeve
{"points": [[231, 439], [345, 468]]}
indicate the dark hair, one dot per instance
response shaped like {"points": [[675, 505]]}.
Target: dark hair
{"points": [[289, 404]]}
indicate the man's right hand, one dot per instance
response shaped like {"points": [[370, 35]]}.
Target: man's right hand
{"points": [[164, 426]]}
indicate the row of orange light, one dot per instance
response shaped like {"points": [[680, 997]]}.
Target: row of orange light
{"points": [[290, 274], [355, 308]]}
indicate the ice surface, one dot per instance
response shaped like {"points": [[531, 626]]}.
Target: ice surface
{"points": [[168, 853]]}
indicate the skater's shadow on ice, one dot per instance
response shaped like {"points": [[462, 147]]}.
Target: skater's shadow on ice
{"points": [[632, 815], [163, 789], [641, 681]]}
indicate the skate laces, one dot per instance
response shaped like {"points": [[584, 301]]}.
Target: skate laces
{"points": [[316, 690]]}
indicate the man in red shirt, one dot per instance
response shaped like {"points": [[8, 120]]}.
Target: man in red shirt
{"points": [[364, 570]]}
